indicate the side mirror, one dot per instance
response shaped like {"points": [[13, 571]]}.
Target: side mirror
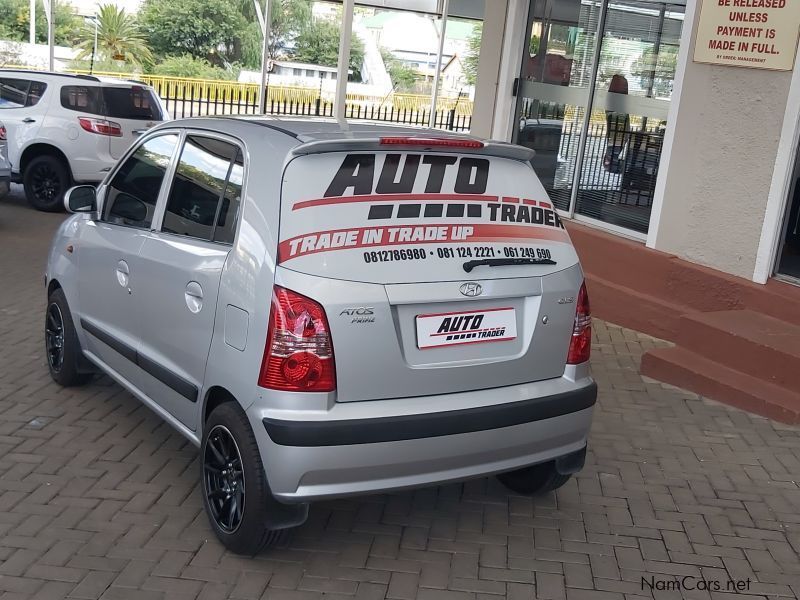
{"points": [[80, 199]]}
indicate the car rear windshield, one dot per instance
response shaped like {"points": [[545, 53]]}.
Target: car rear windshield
{"points": [[135, 102], [418, 216]]}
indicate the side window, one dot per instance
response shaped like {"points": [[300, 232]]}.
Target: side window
{"points": [[13, 92], [133, 192], [82, 98], [35, 93], [205, 192]]}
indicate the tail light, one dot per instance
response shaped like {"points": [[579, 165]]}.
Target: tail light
{"points": [[580, 346], [430, 141], [100, 126], [298, 356], [2, 134]]}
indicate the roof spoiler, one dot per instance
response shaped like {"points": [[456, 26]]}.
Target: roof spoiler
{"points": [[374, 144]]}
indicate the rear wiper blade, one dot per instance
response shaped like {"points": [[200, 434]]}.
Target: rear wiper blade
{"points": [[502, 262]]}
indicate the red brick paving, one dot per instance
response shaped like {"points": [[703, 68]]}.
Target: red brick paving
{"points": [[99, 498]]}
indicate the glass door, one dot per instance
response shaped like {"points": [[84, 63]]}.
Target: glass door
{"points": [[625, 132], [593, 98], [553, 91]]}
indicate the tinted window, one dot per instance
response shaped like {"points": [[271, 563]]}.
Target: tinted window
{"points": [[35, 93], [16, 93], [132, 103], [82, 98], [116, 102], [133, 192], [200, 200]]}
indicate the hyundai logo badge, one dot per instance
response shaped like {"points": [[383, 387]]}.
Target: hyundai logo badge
{"points": [[471, 289]]}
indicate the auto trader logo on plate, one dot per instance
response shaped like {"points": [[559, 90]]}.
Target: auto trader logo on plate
{"points": [[466, 327]]}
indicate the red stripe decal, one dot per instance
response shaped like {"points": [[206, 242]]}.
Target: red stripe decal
{"points": [[544, 204], [395, 198], [468, 331], [530, 202], [376, 237], [511, 199]]}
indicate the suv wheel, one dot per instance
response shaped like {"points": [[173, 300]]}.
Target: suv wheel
{"points": [[235, 491], [46, 179], [61, 342], [537, 479]]}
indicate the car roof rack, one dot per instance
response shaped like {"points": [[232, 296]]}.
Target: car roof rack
{"points": [[51, 73]]}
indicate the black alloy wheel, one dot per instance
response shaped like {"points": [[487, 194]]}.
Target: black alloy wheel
{"points": [[46, 179], [54, 337], [223, 479], [45, 182]]}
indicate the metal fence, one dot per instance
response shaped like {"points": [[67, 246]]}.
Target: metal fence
{"points": [[619, 166], [189, 97], [196, 99]]}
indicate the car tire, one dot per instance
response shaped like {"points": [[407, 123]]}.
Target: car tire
{"points": [[62, 348], [236, 500], [534, 480], [46, 180]]}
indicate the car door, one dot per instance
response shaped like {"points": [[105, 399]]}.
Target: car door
{"points": [[110, 278], [22, 112], [184, 259]]}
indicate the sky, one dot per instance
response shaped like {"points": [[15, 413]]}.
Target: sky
{"points": [[88, 7]]}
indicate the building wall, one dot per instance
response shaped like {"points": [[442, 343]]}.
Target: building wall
{"points": [[716, 176]]}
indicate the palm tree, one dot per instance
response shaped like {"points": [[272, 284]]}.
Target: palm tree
{"points": [[118, 38]]}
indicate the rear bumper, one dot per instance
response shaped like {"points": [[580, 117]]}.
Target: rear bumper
{"points": [[317, 456], [413, 427]]}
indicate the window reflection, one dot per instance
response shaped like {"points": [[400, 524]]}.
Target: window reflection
{"points": [[615, 175]]}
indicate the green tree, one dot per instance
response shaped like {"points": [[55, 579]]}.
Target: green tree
{"points": [[15, 18], [403, 77], [473, 55], [189, 66], [657, 70], [200, 28], [318, 44], [118, 38], [289, 19]]}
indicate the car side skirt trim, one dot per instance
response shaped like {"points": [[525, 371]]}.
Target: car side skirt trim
{"points": [[411, 427], [172, 380], [109, 340]]}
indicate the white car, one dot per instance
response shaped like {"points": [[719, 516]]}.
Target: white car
{"points": [[329, 311], [5, 166], [64, 129]]}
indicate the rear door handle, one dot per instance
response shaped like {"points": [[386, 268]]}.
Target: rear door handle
{"points": [[29, 120], [193, 296], [123, 274]]}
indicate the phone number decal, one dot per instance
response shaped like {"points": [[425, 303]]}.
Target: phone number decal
{"points": [[403, 254]]}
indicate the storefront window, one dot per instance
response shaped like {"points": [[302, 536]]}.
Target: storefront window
{"points": [[629, 112], [554, 89], [603, 167]]}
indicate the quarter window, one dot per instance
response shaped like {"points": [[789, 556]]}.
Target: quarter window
{"points": [[136, 102], [225, 230], [133, 192], [204, 199]]}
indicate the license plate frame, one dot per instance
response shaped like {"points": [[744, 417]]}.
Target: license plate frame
{"points": [[458, 328]]}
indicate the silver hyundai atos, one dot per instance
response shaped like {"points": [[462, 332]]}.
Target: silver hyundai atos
{"points": [[328, 310]]}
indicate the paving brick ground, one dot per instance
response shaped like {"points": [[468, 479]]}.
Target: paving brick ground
{"points": [[99, 499]]}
